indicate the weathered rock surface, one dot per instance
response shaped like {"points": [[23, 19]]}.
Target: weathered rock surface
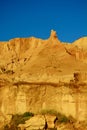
{"points": [[33, 59], [39, 122], [35, 123], [70, 98], [21, 127], [38, 74], [50, 119]]}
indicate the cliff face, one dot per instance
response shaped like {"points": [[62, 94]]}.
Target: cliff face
{"points": [[70, 99], [38, 74], [34, 59]]}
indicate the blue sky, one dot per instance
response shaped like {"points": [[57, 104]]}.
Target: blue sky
{"points": [[26, 18]]}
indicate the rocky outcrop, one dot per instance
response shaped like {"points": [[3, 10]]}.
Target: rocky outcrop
{"points": [[80, 77], [39, 122], [68, 98], [81, 43], [38, 74], [50, 119], [41, 59], [35, 123]]}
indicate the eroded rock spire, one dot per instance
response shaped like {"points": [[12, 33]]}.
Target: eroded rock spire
{"points": [[53, 34], [53, 37]]}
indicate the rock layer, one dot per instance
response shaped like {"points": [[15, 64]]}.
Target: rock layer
{"points": [[70, 99]]}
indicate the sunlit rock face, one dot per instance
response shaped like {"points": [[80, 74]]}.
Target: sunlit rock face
{"points": [[38, 74], [33, 58], [69, 99]]}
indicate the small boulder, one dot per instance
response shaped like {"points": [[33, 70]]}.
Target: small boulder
{"points": [[50, 119], [35, 123]]}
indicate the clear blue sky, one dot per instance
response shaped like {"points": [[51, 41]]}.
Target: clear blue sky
{"points": [[25, 18]]}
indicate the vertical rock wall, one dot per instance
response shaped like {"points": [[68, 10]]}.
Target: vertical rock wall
{"points": [[35, 98]]}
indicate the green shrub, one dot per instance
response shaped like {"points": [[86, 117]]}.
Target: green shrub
{"points": [[61, 118], [18, 119], [27, 114]]}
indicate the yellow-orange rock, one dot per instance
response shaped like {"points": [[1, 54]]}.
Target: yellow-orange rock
{"points": [[38, 74]]}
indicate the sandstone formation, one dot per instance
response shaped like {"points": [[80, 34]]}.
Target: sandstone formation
{"points": [[50, 119], [39, 122], [35, 123], [38, 74]]}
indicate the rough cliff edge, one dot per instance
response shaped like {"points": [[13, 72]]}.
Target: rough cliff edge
{"points": [[38, 74]]}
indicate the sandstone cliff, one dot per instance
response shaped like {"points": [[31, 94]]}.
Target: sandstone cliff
{"points": [[34, 59], [38, 74]]}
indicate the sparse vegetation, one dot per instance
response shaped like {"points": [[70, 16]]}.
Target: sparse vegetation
{"points": [[18, 119], [65, 119], [61, 118]]}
